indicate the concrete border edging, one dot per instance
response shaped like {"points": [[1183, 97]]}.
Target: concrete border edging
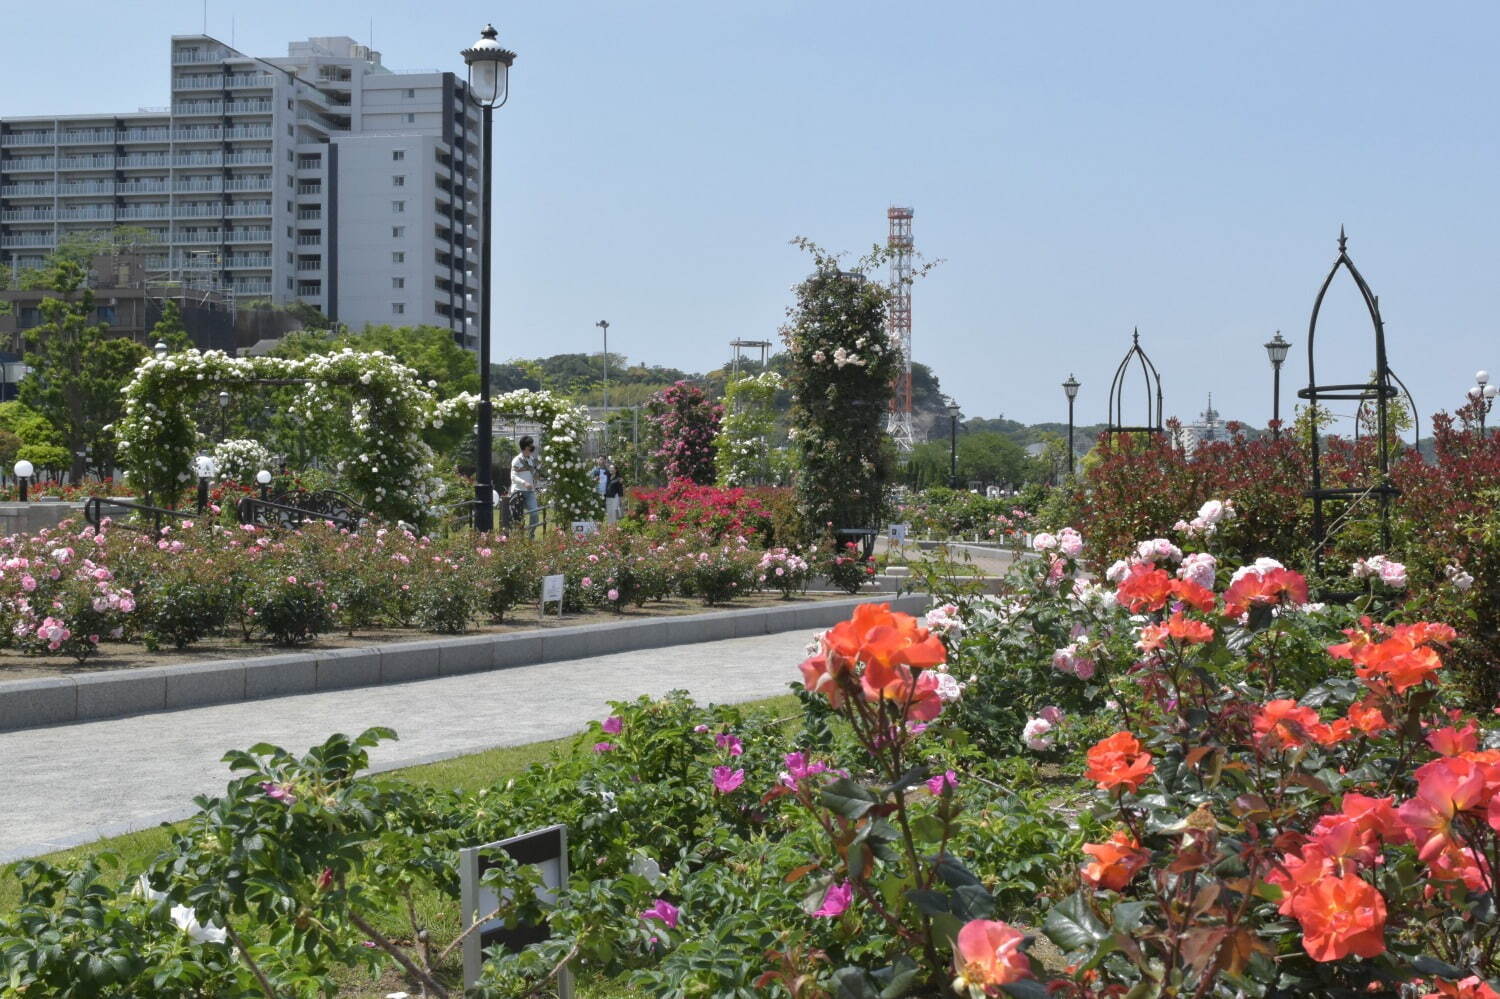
{"points": [[60, 700]]}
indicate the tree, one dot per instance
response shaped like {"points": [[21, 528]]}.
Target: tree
{"points": [[743, 444], [991, 459], [169, 328], [77, 372]]}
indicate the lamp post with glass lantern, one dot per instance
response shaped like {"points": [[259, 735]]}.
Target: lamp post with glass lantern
{"points": [[24, 471], [953, 409], [263, 477], [223, 415], [160, 349], [489, 86], [1070, 388], [1276, 349], [1482, 395]]}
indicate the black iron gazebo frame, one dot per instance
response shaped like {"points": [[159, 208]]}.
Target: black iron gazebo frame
{"points": [[1380, 390], [1115, 423]]}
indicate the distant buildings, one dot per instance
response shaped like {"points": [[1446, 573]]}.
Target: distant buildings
{"points": [[1207, 429], [321, 177]]}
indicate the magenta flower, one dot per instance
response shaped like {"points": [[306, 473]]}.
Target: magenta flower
{"points": [[836, 900], [279, 792], [604, 747], [665, 912], [937, 785], [726, 740], [613, 725], [726, 780]]}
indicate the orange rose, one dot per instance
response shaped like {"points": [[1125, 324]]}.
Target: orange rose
{"points": [[1144, 588], [1339, 917], [1283, 724], [1263, 589], [1115, 862], [1119, 762], [1472, 987]]}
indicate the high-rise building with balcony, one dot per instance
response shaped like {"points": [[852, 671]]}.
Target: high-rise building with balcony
{"points": [[321, 177]]}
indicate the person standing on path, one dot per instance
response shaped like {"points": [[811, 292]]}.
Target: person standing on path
{"points": [[523, 471], [614, 496]]}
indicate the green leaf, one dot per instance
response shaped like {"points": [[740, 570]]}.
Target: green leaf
{"points": [[848, 798], [929, 903], [854, 984], [1026, 988], [1072, 924], [973, 902], [1432, 966], [1126, 916], [903, 973]]}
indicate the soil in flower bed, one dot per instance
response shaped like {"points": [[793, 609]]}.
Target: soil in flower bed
{"points": [[124, 655]]}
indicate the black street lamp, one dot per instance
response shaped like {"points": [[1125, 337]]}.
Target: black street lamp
{"points": [[953, 409], [603, 324], [1482, 395], [223, 415], [1070, 387], [1276, 349], [489, 86]]}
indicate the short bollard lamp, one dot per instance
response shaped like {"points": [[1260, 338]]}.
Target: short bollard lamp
{"points": [[160, 349], [24, 472], [264, 478]]}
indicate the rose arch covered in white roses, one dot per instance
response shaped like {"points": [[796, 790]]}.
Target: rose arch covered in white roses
{"points": [[368, 408]]}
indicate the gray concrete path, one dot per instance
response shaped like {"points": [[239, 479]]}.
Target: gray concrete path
{"points": [[73, 784]]}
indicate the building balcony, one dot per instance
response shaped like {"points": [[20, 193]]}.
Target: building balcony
{"points": [[213, 134], [87, 136], [248, 132], [314, 189], [27, 215], [248, 209], [191, 108], [29, 164], [198, 57], [303, 266], [143, 160], [248, 159], [248, 184], [309, 289], [104, 213], [310, 240], [196, 186], [29, 139], [142, 187], [252, 287], [309, 214], [91, 187], [248, 236], [253, 261], [86, 163], [143, 212], [39, 240], [145, 135], [197, 211], [209, 236], [248, 107]]}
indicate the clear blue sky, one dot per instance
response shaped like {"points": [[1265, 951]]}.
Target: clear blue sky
{"points": [[1083, 168]]}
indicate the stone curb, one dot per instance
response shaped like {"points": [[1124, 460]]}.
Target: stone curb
{"points": [[46, 701]]}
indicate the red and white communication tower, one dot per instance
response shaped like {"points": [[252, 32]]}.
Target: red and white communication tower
{"points": [[898, 325]]}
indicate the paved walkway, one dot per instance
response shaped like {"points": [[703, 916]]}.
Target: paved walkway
{"points": [[73, 784]]}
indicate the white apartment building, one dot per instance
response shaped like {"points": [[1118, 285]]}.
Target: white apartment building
{"points": [[321, 177]]}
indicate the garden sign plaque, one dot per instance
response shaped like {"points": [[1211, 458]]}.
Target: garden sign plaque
{"points": [[547, 849]]}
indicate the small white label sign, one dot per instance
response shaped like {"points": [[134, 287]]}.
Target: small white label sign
{"points": [[552, 588], [896, 533], [583, 528]]}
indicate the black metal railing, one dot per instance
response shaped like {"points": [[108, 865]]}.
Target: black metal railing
{"points": [[93, 512]]}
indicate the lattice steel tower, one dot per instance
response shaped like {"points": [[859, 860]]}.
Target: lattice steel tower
{"points": [[898, 325]]}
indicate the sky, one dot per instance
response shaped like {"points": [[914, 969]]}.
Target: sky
{"points": [[1080, 168]]}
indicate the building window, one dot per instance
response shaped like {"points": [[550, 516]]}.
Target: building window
{"points": [[398, 207], [398, 282], [411, 119], [397, 231], [398, 308], [410, 92], [31, 316], [398, 181], [107, 314], [398, 154]]}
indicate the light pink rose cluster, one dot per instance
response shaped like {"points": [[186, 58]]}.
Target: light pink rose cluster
{"points": [[1387, 570]]}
